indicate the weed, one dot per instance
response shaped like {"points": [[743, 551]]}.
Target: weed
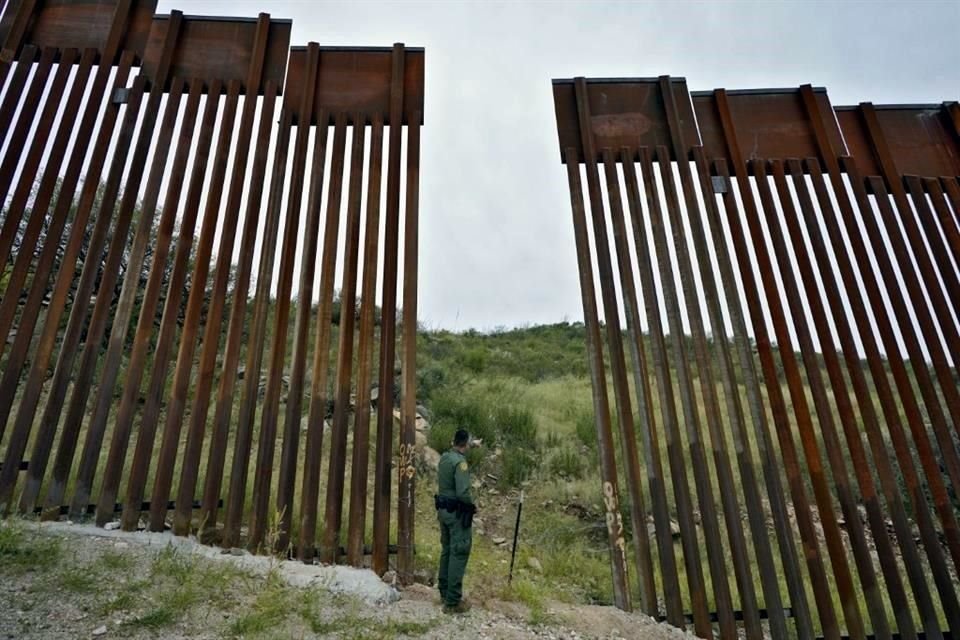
{"points": [[516, 427], [531, 595], [156, 618], [552, 440], [272, 606], [566, 463], [517, 466], [587, 430], [114, 561], [77, 580], [124, 601], [20, 553]]}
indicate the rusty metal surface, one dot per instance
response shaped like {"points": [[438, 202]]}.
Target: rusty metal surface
{"points": [[149, 241], [774, 195]]}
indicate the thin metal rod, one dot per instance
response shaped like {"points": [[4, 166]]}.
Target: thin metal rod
{"points": [[818, 390], [149, 419], [368, 296], [601, 403], [406, 491], [12, 159], [11, 99], [43, 350], [348, 303], [216, 460], [756, 515], [692, 420], [44, 192], [211, 338], [121, 315], [78, 316], [641, 541], [308, 261], [259, 519], [651, 442], [914, 419], [881, 457], [255, 342], [614, 335], [177, 400], [382, 469], [321, 355], [731, 510], [30, 313], [782, 425]]}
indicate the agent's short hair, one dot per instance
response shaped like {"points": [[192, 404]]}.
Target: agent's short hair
{"points": [[461, 437]]}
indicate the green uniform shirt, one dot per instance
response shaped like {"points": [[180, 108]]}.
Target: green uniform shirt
{"points": [[454, 477]]}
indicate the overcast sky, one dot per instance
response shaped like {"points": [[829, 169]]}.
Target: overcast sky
{"points": [[496, 235]]}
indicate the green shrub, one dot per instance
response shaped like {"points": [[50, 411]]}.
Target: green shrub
{"points": [[440, 436], [463, 412], [22, 553], [587, 430], [552, 440], [518, 465], [474, 360], [516, 427], [430, 380], [567, 463]]}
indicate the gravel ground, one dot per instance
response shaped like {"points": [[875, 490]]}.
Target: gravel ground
{"points": [[81, 582]]}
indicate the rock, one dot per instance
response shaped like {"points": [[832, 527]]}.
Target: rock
{"points": [[534, 564], [236, 551], [424, 412], [423, 576], [390, 577], [99, 631], [674, 529], [429, 458], [111, 526], [497, 540]]}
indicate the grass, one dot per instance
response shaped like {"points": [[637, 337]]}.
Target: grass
{"points": [[22, 553], [270, 608], [172, 590]]}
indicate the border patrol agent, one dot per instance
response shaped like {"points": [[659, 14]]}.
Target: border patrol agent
{"points": [[455, 511]]}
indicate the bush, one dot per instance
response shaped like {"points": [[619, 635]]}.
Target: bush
{"points": [[430, 380], [552, 440], [518, 465], [463, 413], [440, 436], [567, 463], [516, 427], [474, 360], [587, 430]]}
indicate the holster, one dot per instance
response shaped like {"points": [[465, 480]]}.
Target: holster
{"points": [[464, 509], [466, 514], [450, 504]]}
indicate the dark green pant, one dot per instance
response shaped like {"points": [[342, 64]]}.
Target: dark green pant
{"points": [[455, 542]]}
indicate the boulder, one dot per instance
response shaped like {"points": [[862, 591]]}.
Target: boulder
{"points": [[429, 458]]}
